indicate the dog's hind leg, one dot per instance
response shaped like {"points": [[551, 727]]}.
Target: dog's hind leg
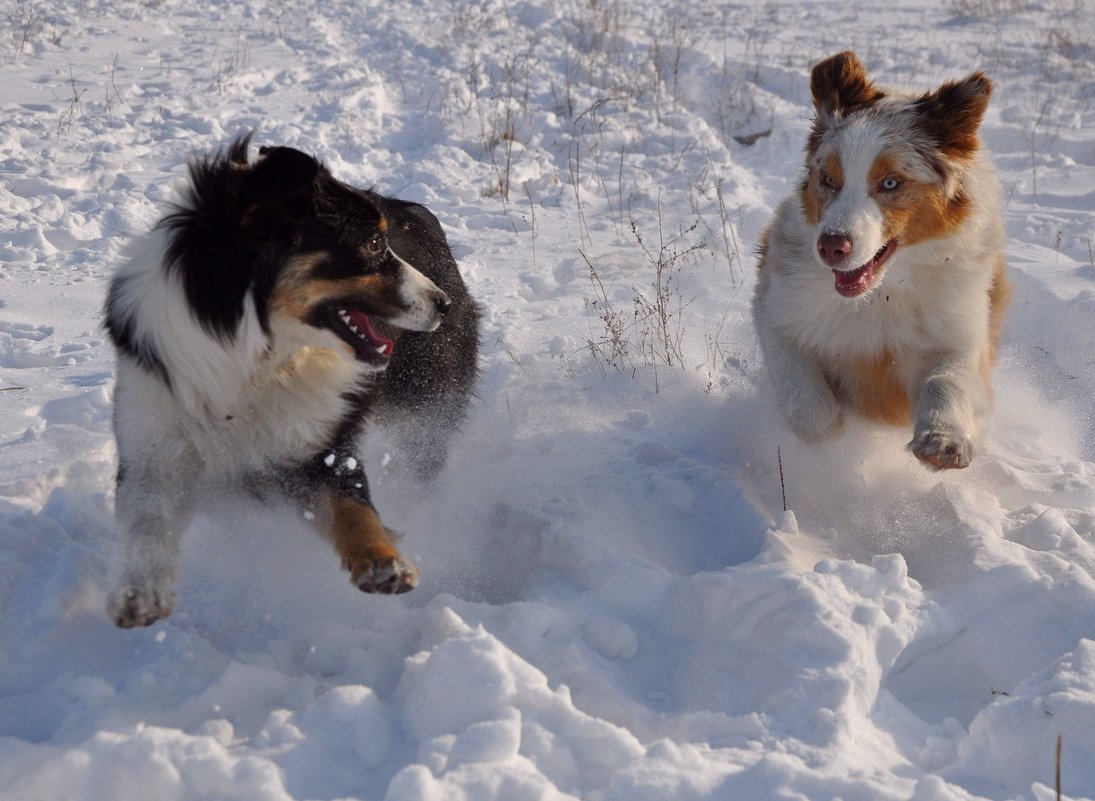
{"points": [[154, 503]]}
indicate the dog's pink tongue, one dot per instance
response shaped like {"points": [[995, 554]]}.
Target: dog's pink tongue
{"points": [[853, 282], [364, 322]]}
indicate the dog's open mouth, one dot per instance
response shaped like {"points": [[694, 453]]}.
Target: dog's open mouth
{"points": [[360, 331], [853, 283]]}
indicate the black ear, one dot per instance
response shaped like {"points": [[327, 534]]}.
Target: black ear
{"points": [[280, 174]]}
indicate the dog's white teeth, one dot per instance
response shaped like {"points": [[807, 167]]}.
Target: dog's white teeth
{"points": [[362, 335]]}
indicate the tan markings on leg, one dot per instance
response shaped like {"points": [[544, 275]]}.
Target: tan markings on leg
{"points": [[366, 547], [874, 389], [360, 538]]}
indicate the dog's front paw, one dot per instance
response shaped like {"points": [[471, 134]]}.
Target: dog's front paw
{"points": [[134, 605], [390, 576], [942, 449]]}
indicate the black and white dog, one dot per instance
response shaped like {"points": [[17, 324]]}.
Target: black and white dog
{"points": [[255, 328]]}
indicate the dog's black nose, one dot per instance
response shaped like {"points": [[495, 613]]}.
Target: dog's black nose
{"points": [[442, 303]]}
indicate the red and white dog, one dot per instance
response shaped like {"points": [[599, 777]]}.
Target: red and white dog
{"points": [[882, 279]]}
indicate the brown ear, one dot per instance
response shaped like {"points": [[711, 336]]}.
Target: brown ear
{"points": [[952, 113], [840, 84]]}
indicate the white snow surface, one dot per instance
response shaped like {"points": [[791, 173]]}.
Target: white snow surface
{"points": [[615, 605]]}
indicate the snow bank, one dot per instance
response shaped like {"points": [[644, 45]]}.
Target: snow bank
{"points": [[615, 603]]}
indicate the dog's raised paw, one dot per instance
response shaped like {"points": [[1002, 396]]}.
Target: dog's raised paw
{"points": [[942, 450], [387, 576], [131, 607]]}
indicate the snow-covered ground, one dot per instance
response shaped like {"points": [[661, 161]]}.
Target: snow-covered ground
{"points": [[614, 604]]}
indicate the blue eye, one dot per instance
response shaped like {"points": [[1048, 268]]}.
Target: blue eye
{"points": [[890, 184]]}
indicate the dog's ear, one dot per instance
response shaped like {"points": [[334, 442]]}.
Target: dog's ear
{"points": [[280, 174], [952, 114], [839, 85]]}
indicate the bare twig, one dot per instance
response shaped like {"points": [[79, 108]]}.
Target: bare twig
{"points": [[532, 223], [1059, 740], [76, 105], [782, 485]]}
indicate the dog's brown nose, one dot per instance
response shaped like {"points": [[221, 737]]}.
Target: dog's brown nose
{"points": [[834, 248]]}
